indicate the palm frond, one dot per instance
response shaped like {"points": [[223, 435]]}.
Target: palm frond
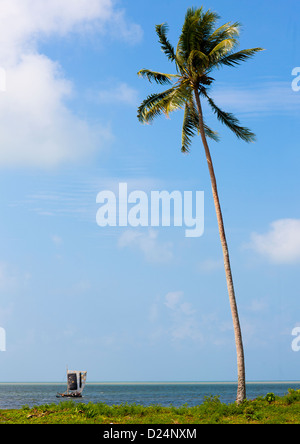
{"points": [[210, 133], [230, 121], [152, 106], [228, 30], [202, 29], [237, 57], [166, 46], [165, 102], [182, 94], [222, 48], [199, 35], [184, 46], [158, 77], [191, 127]]}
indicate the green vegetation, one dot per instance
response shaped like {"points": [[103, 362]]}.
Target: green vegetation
{"points": [[270, 409]]}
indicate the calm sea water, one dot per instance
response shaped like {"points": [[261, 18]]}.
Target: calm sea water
{"points": [[14, 396]]}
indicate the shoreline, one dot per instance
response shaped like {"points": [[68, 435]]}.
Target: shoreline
{"points": [[268, 409]]}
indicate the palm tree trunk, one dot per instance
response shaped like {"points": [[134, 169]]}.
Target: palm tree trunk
{"points": [[241, 391]]}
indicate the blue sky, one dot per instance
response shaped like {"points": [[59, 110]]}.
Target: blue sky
{"points": [[143, 304]]}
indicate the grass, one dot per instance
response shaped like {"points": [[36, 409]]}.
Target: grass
{"points": [[270, 409]]}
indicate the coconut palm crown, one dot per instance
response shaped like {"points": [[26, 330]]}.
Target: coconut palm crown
{"points": [[202, 47]]}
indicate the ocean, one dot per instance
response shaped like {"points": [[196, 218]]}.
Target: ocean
{"points": [[14, 395]]}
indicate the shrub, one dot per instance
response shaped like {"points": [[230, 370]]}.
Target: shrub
{"points": [[292, 396], [270, 397]]}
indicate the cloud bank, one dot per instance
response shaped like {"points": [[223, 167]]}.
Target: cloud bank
{"points": [[37, 128]]}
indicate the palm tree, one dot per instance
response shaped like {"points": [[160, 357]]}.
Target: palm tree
{"points": [[201, 48]]}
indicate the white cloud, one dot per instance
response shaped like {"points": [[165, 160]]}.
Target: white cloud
{"points": [[147, 243], [23, 22], [122, 29], [173, 299], [281, 244], [36, 126], [119, 93]]}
